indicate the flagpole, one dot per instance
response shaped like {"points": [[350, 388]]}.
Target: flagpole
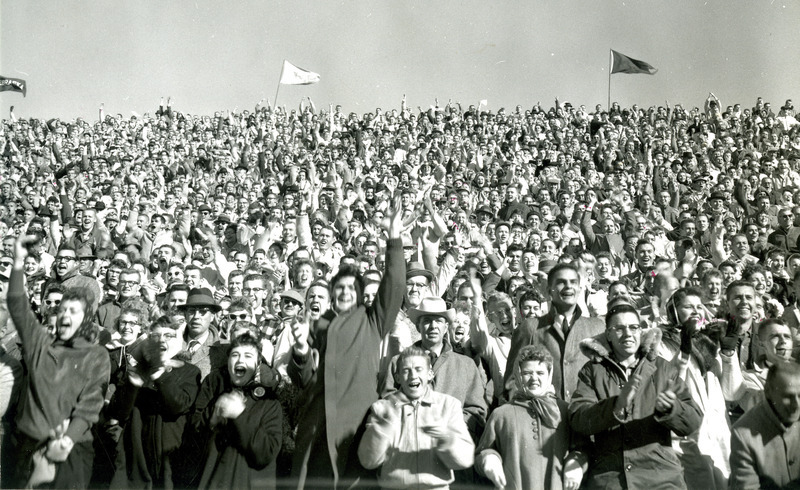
{"points": [[279, 84], [610, 64]]}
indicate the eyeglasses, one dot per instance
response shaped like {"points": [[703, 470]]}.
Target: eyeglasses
{"points": [[237, 316], [125, 323], [65, 259], [634, 329], [416, 285], [127, 283], [52, 302], [155, 337], [192, 310]]}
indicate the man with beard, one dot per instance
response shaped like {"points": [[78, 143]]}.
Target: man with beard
{"points": [[560, 331]]}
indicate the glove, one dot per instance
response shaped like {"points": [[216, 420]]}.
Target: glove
{"points": [[687, 331], [58, 449], [730, 342], [493, 469]]}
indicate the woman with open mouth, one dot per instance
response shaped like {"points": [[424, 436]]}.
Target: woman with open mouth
{"points": [[241, 418], [687, 344]]}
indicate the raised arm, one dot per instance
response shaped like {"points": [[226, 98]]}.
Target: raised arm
{"points": [[392, 287]]}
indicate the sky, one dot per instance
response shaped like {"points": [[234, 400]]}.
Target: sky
{"points": [[212, 55]]}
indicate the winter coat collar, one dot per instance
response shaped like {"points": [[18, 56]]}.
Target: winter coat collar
{"points": [[597, 348]]}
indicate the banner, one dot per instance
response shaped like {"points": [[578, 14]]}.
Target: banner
{"points": [[626, 64], [14, 85], [292, 75]]}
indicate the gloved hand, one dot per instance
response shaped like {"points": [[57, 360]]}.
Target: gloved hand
{"points": [[493, 469], [729, 342], [690, 327]]}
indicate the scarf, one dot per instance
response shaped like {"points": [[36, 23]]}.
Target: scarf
{"points": [[545, 407]]}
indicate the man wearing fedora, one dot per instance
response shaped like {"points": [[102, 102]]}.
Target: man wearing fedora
{"points": [[420, 284], [200, 336], [454, 374]]}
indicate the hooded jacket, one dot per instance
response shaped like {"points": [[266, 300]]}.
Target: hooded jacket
{"points": [[636, 452]]}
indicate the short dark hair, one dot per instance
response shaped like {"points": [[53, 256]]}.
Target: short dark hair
{"points": [[618, 309], [676, 298], [558, 268], [349, 271], [738, 284], [535, 352], [788, 368]]}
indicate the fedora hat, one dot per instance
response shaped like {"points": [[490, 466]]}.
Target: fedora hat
{"points": [[201, 297], [85, 253], [417, 269], [432, 306]]}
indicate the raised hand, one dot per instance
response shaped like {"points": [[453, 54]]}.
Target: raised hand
{"points": [[301, 328], [395, 218]]}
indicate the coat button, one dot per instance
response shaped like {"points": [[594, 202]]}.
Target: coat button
{"points": [[628, 467]]}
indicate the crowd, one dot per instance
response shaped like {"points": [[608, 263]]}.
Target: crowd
{"points": [[444, 297]]}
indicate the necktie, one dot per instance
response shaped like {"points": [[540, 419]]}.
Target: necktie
{"points": [[193, 346], [562, 323]]}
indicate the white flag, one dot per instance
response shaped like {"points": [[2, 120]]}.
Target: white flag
{"points": [[292, 75]]}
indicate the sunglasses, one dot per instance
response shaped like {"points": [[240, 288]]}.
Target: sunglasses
{"points": [[237, 316]]}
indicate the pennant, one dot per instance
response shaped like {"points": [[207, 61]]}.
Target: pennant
{"points": [[292, 75], [14, 85], [625, 64]]}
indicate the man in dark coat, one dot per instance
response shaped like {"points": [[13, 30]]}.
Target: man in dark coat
{"points": [[338, 369], [631, 401]]}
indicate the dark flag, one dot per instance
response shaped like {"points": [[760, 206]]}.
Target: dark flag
{"points": [[14, 85], [625, 64]]}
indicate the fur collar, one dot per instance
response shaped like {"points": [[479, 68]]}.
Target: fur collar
{"points": [[597, 348]]}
